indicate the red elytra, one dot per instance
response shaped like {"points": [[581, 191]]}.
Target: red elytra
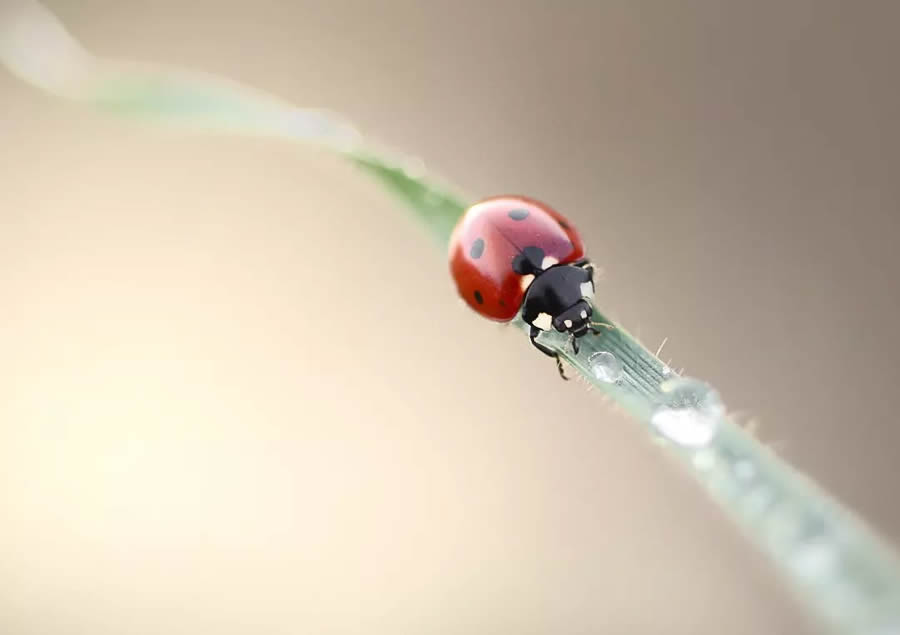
{"points": [[488, 238]]}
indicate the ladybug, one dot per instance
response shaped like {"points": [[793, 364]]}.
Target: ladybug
{"points": [[512, 253]]}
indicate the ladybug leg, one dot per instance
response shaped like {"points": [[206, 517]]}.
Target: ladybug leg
{"points": [[575, 344], [589, 269], [587, 265], [559, 367], [546, 350]]}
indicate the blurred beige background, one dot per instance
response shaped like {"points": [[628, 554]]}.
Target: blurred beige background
{"points": [[239, 396]]}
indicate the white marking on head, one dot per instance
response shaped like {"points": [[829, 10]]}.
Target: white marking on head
{"points": [[543, 321], [548, 262], [525, 281], [568, 323], [587, 289], [584, 315]]}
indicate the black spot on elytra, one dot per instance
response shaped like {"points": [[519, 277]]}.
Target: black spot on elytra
{"points": [[478, 298], [518, 214], [502, 303], [477, 248]]}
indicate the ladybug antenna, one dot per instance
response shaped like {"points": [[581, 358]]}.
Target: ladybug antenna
{"points": [[596, 326]]}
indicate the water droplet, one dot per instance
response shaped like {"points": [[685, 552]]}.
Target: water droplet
{"points": [[688, 412], [705, 461], [758, 501], [744, 470], [606, 367], [814, 558]]}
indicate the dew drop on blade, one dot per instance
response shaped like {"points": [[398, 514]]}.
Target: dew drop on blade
{"points": [[744, 470], [688, 412], [814, 559], [606, 367]]}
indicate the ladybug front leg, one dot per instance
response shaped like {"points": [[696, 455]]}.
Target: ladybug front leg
{"points": [[587, 265], [546, 350]]}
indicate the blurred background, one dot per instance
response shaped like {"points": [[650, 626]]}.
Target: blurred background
{"points": [[239, 394]]}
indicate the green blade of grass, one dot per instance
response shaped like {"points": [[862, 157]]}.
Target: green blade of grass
{"points": [[849, 576]]}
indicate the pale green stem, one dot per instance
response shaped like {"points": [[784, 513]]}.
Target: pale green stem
{"points": [[848, 576]]}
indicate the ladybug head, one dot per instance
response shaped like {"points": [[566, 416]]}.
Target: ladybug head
{"points": [[575, 320]]}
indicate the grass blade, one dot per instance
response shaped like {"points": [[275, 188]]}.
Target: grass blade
{"points": [[848, 575]]}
